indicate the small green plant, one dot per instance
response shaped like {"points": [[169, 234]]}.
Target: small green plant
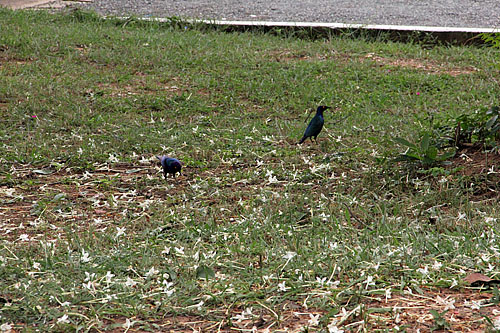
{"points": [[481, 127], [425, 152], [491, 38], [440, 322]]}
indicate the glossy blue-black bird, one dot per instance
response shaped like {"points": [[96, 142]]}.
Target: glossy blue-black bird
{"points": [[170, 165], [315, 125]]}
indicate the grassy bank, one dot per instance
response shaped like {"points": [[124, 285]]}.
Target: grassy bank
{"points": [[257, 231]]}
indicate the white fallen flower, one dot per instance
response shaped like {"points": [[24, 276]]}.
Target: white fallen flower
{"points": [[152, 271], [282, 286], [313, 320], [63, 320], [6, 327], [85, 256], [120, 231], [448, 303], [130, 282]]}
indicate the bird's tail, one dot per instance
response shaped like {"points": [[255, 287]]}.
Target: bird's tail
{"points": [[302, 140]]}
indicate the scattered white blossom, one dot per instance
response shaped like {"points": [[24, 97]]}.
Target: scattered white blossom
{"points": [[447, 302], [9, 191], [24, 237], [128, 324], [120, 231], [197, 306], [167, 287], [424, 271], [6, 327], [474, 305], [320, 281], [333, 284], [313, 320], [85, 256], [437, 265], [397, 319], [63, 320], [282, 286], [271, 179], [109, 276], [130, 282], [152, 271], [388, 294], [289, 255], [369, 282], [245, 314], [332, 328], [113, 159], [496, 324], [89, 285]]}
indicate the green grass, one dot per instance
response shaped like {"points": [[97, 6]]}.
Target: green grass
{"points": [[102, 236]]}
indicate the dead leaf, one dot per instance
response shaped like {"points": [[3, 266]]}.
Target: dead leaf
{"points": [[476, 279]]}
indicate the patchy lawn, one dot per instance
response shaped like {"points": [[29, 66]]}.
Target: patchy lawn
{"points": [[258, 233]]}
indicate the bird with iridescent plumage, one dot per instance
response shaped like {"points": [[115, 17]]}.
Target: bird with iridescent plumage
{"points": [[315, 125]]}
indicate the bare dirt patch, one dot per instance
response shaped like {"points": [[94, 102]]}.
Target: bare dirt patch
{"points": [[475, 161], [137, 85], [430, 67], [13, 61], [40, 206], [137, 88], [291, 56], [481, 168], [463, 310]]}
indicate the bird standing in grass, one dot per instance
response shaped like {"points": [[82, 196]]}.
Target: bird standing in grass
{"points": [[170, 165], [315, 125]]}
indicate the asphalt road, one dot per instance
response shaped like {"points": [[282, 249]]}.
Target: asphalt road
{"points": [[443, 13]]}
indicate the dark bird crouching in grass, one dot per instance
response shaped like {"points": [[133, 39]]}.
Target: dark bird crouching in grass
{"points": [[315, 125], [170, 165]]}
